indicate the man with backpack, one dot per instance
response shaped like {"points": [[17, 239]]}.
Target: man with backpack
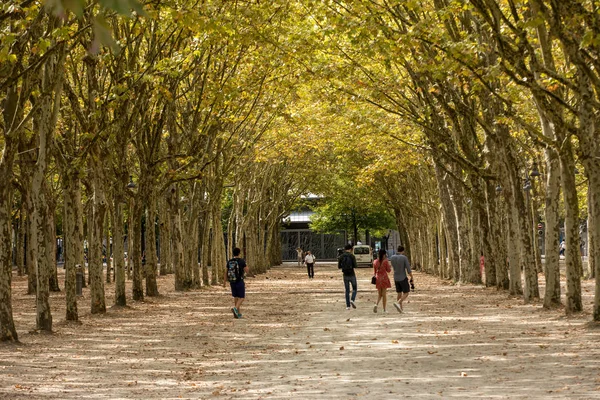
{"points": [[234, 273], [347, 263]]}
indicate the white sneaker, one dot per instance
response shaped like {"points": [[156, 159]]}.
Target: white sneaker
{"points": [[375, 308], [347, 308], [398, 307], [384, 312], [352, 303]]}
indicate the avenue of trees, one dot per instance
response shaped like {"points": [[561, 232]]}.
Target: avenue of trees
{"points": [[199, 124]]}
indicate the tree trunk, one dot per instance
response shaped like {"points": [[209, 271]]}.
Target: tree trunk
{"points": [[490, 239], [218, 259], [30, 253], [7, 325], [39, 240], [166, 257], [591, 239], [71, 235], [572, 257], [151, 259], [135, 251], [526, 255], [97, 298], [51, 249], [205, 245], [21, 238], [552, 228], [119, 252], [514, 249]]}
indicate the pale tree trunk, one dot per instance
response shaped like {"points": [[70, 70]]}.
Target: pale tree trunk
{"points": [[496, 216], [205, 246], [218, 259], [523, 228], [151, 260], [591, 239], [191, 255], [51, 249], [572, 256], [593, 171], [514, 250], [450, 224], [30, 253], [552, 228], [489, 237], [180, 281], [8, 331], [118, 252], [166, 257], [590, 156], [21, 239], [464, 248], [71, 235], [475, 235], [135, 250], [98, 301], [40, 241], [89, 233], [108, 216], [433, 249], [444, 270]]}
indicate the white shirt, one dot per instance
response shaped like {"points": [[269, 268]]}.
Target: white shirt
{"points": [[309, 259]]}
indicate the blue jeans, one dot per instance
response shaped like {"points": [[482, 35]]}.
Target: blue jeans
{"points": [[347, 281]]}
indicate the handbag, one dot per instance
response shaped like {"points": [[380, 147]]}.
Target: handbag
{"points": [[374, 280]]}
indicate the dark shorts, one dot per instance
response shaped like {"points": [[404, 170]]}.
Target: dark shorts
{"points": [[402, 286], [238, 289]]}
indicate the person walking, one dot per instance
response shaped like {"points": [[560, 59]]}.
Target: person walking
{"points": [[381, 268], [401, 269], [235, 271], [347, 263], [300, 253], [310, 264]]}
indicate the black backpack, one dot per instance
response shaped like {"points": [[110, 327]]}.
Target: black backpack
{"points": [[346, 263], [233, 270]]}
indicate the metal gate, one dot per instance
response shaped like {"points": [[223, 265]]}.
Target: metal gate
{"points": [[323, 246]]}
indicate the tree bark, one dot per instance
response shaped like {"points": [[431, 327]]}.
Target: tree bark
{"points": [[552, 228], [8, 331], [119, 252], [572, 258], [135, 251], [21, 238], [71, 235], [98, 301], [151, 259]]}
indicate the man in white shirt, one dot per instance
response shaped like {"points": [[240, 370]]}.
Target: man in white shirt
{"points": [[310, 264]]}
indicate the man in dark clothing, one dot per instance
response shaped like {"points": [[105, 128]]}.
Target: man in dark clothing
{"points": [[347, 263], [235, 271]]}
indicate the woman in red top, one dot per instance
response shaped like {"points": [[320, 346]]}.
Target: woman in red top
{"points": [[381, 268]]}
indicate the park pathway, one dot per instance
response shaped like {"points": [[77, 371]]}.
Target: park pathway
{"points": [[297, 340]]}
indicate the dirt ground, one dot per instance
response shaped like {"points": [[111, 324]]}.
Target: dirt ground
{"points": [[297, 340]]}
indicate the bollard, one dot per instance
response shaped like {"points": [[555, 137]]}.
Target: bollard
{"points": [[79, 280]]}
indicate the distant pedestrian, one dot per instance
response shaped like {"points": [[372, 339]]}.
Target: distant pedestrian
{"points": [[562, 248], [381, 268], [300, 253], [481, 264], [401, 269], [235, 273], [347, 263], [310, 264]]}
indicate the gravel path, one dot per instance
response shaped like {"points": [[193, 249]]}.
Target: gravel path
{"points": [[298, 340]]}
